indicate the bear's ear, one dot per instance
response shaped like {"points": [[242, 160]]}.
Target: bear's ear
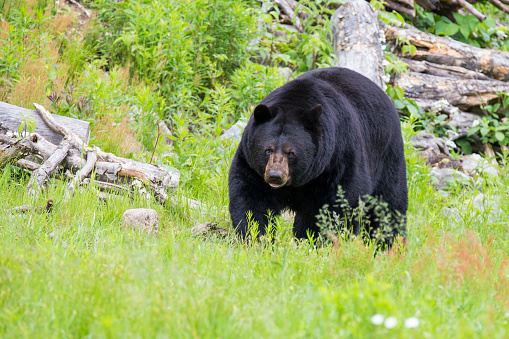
{"points": [[262, 114], [316, 112], [312, 116]]}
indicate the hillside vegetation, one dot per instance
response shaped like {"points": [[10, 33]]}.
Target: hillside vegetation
{"points": [[200, 66]]}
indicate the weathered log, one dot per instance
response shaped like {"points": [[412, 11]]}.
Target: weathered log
{"points": [[74, 139], [446, 51], [27, 164], [452, 72], [462, 93], [10, 117], [356, 39], [12, 152], [402, 6], [84, 171], [39, 176], [287, 9]]}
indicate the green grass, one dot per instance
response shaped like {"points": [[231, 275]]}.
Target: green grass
{"points": [[100, 280], [93, 278]]}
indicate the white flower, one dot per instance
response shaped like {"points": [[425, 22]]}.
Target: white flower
{"points": [[390, 322], [475, 123], [412, 322], [377, 319]]}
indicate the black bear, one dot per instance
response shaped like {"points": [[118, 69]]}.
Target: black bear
{"points": [[326, 128]]}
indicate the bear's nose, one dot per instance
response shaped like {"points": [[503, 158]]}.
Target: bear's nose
{"points": [[275, 176]]}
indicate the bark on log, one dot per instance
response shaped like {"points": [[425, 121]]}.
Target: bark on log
{"points": [[446, 51], [287, 9], [38, 179], [402, 6], [356, 40], [10, 117], [462, 93], [75, 140], [452, 72]]}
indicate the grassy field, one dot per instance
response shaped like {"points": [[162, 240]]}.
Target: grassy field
{"points": [[76, 272], [96, 279]]}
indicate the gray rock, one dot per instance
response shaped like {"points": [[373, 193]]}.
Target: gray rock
{"points": [[235, 131], [141, 219], [475, 164], [446, 175], [462, 120], [481, 205], [286, 72], [429, 144]]}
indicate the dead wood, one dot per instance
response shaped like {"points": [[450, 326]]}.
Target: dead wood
{"points": [[108, 170], [402, 6], [449, 52], [10, 117], [356, 39], [55, 126], [27, 208], [462, 93], [286, 8], [453, 72], [38, 179]]}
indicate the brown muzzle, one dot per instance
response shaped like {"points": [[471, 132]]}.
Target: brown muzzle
{"points": [[276, 171]]}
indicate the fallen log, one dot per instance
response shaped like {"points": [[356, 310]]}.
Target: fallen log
{"points": [[38, 179], [462, 93], [10, 117], [446, 51], [453, 72]]}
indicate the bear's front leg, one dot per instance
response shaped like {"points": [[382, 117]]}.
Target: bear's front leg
{"points": [[248, 192]]}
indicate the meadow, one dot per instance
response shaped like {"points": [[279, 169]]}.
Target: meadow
{"points": [[77, 273]]}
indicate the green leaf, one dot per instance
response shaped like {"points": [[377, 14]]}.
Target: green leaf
{"points": [[398, 104], [473, 130], [500, 136], [484, 131], [444, 28], [465, 145], [412, 110], [465, 31]]}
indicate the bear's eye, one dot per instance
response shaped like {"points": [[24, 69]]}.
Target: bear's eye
{"points": [[290, 154], [268, 151]]}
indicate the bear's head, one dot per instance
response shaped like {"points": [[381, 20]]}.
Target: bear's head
{"points": [[284, 143]]}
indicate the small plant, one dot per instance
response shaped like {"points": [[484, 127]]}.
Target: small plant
{"points": [[66, 104], [493, 128], [358, 220], [26, 126], [407, 106]]}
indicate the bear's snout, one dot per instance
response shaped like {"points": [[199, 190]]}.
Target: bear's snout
{"points": [[277, 172]]}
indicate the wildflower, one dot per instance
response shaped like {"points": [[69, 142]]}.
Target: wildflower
{"points": [[412, 322], [377, 319], [390, 322]]}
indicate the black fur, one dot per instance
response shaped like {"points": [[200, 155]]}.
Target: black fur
{"points": [[353, 140]]}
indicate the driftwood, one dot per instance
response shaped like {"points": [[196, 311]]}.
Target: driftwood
{"points": [[107, 169], [356, 39], [446, 51], [10, 117]]}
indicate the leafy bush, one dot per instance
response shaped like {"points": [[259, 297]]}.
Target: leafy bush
{"points": [[182, 46]]}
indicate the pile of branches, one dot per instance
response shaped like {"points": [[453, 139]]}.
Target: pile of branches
{"points": [[78, 162]]}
